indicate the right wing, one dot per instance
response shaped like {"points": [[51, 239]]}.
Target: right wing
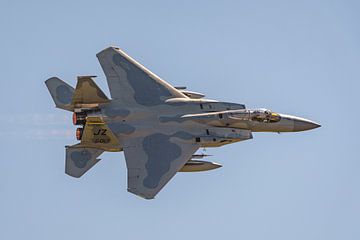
{"points": [[154, 159], [131, 83]]}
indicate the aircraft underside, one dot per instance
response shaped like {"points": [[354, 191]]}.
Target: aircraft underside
{"points": [[158, 127]]}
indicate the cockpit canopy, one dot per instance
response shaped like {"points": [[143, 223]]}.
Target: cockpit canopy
{"points": [[264, 115]]}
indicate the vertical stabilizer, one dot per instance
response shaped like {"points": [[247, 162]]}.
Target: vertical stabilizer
{"points": [[87, 92]]}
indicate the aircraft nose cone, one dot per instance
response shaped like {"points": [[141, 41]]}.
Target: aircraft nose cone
{"points": [[303, 125]]}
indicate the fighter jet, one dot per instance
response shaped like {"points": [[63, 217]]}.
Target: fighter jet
{"points": [[158, 127]]}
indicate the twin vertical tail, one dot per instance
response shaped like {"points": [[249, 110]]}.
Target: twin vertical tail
{"points": [[86, 94], [94, 134]]}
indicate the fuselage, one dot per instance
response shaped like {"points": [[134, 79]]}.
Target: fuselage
{"points": [[159, 127], [206, 122]]}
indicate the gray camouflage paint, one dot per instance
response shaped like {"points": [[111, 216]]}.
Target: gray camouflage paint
{"points": [[112, 111], [64, 94], [176, 118], [158, 162], [183, 135], [80, 158], [147, 93], [121, 128], [146, 116], [61, 93]]}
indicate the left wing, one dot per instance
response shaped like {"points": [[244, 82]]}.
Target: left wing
{"points": [[130, 82], [153, 160]]}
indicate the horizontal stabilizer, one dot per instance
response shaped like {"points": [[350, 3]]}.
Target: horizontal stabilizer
{"points": [[61, 92], [80, 159]]}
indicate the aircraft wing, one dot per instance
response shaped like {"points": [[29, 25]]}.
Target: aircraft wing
{"points": [[130, 82], [153, 160]]}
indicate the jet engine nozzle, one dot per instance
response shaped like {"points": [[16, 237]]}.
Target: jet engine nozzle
{"points": [[79, 118], [79, 133]]}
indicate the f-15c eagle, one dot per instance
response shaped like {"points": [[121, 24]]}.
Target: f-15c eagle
{"points": [[159, 127]]}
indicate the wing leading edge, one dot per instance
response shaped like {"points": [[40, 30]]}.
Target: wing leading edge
{"points": [[153, 160]]}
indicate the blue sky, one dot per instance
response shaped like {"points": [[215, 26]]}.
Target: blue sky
{"points": [[295, 57]]}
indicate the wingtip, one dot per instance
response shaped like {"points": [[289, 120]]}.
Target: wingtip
{"points": [[144, 196], [111, 47], [49, 79]]}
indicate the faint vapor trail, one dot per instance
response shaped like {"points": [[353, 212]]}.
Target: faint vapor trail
{"points": [[35, 119], [39, 126]]}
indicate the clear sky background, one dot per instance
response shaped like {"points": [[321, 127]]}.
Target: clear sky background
{"points": [[295, 57]]}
